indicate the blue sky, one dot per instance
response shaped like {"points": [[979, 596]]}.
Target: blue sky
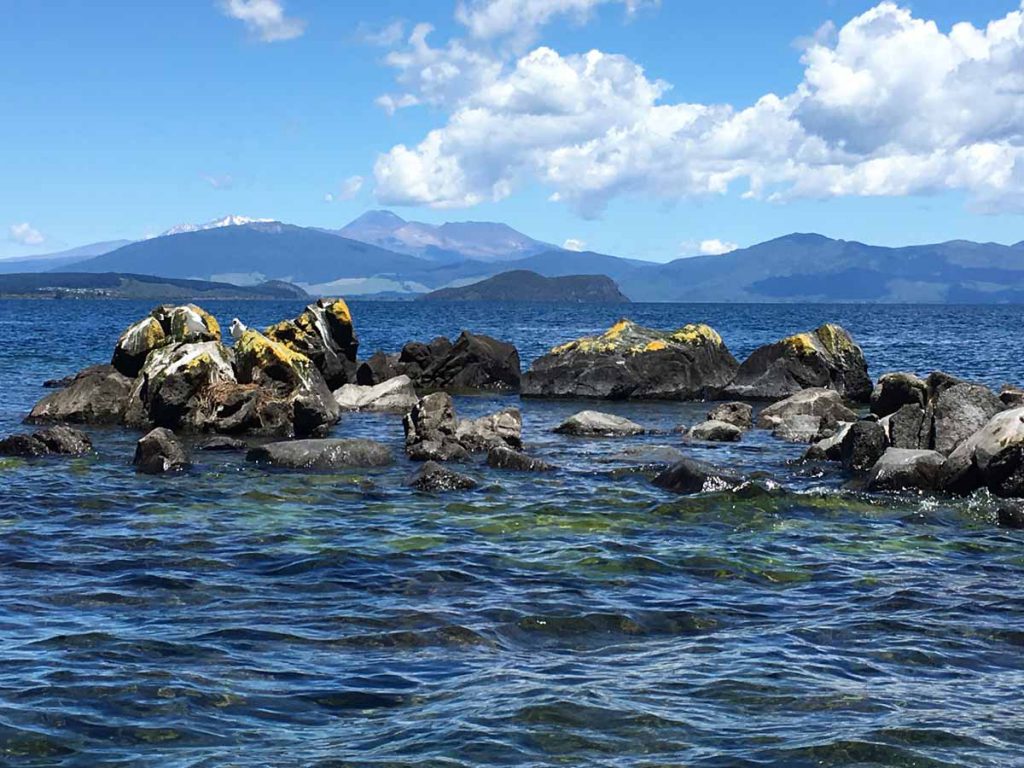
{"points": [[122, 119]]}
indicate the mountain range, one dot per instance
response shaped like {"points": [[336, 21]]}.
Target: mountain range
{"points": [[382, 254]]}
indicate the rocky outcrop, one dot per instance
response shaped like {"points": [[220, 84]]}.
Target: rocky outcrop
{"points": [[325, 334], [825, 358], [515, 461], [396, 395], [993, 458], [323, 454], [629, 361], [502, 429], [691, 476], [801, 417], [473, 364], [901, 469], [738, 414], [896, 390], [433, 478], [715, 432], [160, 451], [431, 430], [597, 424], [863, 444], [97, 395], [165, 325], [58, 440]]}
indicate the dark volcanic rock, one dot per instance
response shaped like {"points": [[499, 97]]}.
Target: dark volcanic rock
{"points": [[160, 451], [896, 390], [324, 454], [434, 478], [904, 469], [597, 424], [827, 357], [475, 363], [431, 430], [692, 476], [1010, 515], [379, 368], [222, 443], [57, 440], [863, 445], [506, 458], [97, 395], [165, 325], [738, 414], [324, 333], [907, 428], [632, 362]]}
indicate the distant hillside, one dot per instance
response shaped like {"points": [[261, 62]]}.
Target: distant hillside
{"points": [[51, 261], [111, 285], [452, 242], [523, 285]]}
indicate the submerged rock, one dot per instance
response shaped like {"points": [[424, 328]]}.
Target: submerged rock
{"points": [[97, 395], [825, 358], [222, 443], [691, 476], [434, 478], [901, 469], [160, 451], [506, 458], [738, 414], [629, 361], [396, 395], [715, 431], [58, 440], [323, 454], [800, 417], [597, 424]]}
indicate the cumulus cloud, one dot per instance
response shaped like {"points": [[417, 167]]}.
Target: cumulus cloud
{"points": [[889, 104], [264, 19], [573, 244], [520, 19], [716, 247], [349, 189], [25, 234]]}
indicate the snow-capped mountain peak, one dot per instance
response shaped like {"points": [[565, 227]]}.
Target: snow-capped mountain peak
{"points": [[227, 221]]}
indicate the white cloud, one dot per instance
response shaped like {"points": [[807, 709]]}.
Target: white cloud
{"points": [[573, 244], [349, 189], [25, 234], [387, 36], [520, 19], [264, 19], [716, 247], [889, 104]]}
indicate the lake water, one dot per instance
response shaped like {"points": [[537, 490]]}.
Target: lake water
{"points": [[233, 616]]}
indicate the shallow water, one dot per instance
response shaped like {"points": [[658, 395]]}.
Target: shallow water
{"points": [[237, 616]]}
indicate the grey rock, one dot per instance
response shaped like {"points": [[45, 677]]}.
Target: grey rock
{"points": [[502, 429], [434, 478], [738, 414], [222, 443], [896, 390], [96, 395], [863, 445], [959, 412], [648, 455], [991, 457], [715, 431], [597, 424], [57, 440], [691, 476], [907, 428], [829, 448], [508, 459], [323, 454], [396, 395], [905, 469], [800, 417], [160, 451], [431, 429]]}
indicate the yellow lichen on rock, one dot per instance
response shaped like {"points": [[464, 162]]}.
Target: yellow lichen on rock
{"points": [[697, 333], [655, 346], [254, 351], [835, 339], [801, 344], [338, 309]]}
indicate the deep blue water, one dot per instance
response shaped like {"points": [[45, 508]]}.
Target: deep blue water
{"points": [[234, 616]]}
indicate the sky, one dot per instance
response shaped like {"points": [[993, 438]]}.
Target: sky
{"points": [[644, 129]]}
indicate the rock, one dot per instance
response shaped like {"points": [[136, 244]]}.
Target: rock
{"points": [[647, 455], [434, 478], [938, 382], [475, 363], [738, 414], [825, 358], [323, 454], [506, 458], [692, 476], [222, 443], [1010, 515], [829, 448], [502, 429], [800, 417], [862, 446], [430, 430], [165, 325], [629, 361], [324, 334], [715, 431], [959, 412], [57, 440], [97, 395], [901, 469], [395, 395], [906, 428], [1011, 396], [160, 451], [378, 369], [992, 457], [597, 424], [896, 390], [67, 381]]}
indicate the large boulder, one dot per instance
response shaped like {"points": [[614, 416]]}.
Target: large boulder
{"points": [[164, 325], [896, 390], [160, 451], [900, 469], [738, 414], [802, 416], [829, 448], [323, 454], [715, 432], [502, 429], [597, 424], [506, 458], [825, 358], [431, 429], [992, 457], [909, 427], [475, 363], [97, 395], [59, 440], [692, 476], [959, 411], [434, 478], [324, 333], [863, 444], [629, 361], [395, 395]]}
